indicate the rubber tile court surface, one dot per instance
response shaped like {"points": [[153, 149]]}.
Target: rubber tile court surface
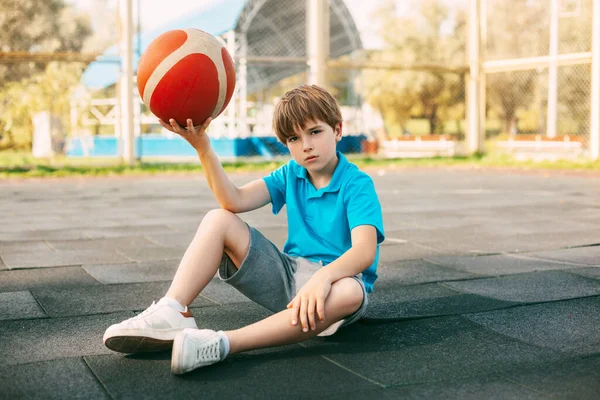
{"points": [[489, 288]]}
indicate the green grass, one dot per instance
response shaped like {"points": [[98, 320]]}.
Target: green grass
{"points": [[23, 165]]}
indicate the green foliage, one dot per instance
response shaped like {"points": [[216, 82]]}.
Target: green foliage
{"points": [[20, 101], [27, 88], [431, 35], [33, 25], [22, 165]]}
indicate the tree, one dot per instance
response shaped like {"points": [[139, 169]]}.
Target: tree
{"points": [[32, 25], [48, 91], [428, 35], [28, 87]]}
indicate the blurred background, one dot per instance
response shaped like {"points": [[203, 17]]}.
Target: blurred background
{"points": [[415, 78]]}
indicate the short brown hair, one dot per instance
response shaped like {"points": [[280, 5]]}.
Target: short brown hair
{"points": [[302, 104]]}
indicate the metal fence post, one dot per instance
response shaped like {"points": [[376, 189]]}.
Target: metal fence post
{"points": [[475, 92], [595, 95], [127, 82]]}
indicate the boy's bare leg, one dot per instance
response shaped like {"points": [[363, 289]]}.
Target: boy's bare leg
{"points": [[345, 297], [219, 231]]}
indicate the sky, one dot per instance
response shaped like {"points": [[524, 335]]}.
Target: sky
{"points": [[156, 12]]}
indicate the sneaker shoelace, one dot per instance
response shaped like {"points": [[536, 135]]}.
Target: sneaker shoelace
{"points": [[208, 352], [147, 311]]}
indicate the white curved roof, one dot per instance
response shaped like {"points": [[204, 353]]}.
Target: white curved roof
{"points": [[273, 28]]}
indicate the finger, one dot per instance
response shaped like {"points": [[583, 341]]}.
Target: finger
{"points": [[291, 303], [311, 313], [175, 125], [321, 308], [206, 123], [294, 313], [165, 125], [190, 125], [303, 317]]}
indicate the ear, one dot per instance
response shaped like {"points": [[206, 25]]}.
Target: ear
{"points": [[338, 132]]}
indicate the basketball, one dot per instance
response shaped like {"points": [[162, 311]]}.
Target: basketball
{"points": [[186, 73]]}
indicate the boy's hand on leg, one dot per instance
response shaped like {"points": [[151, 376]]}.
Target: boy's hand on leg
{"points": [[310, 299]]}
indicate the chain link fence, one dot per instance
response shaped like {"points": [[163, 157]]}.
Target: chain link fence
{"points": [[538, 82]]}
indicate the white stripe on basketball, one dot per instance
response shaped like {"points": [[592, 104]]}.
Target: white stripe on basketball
{"points": [[196, 42]]}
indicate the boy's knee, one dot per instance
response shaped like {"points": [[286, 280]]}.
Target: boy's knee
{"points": [[350, 294], [218, 218]]}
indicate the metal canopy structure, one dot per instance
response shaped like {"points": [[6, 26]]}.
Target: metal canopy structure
{"points": [[270, 35]]}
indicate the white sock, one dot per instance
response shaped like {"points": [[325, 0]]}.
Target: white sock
{"points": [[172, 303], [223, 345]]}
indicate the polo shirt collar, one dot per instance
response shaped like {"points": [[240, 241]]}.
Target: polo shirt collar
{"points": [[336, 179]]}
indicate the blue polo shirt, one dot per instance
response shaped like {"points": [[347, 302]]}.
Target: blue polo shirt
{"points": [[320, 221]]}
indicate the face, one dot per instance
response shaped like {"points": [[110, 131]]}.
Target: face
{"points": [[314, 147]]}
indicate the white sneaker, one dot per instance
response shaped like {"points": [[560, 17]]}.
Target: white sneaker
{"points": [[152, 330], [195, 348], [332, 329]]}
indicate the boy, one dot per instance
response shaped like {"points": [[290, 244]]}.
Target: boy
{"points": [[335, 227]]}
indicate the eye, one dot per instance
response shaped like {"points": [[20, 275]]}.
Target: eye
{"points": [[316, 131], [292, 139]]}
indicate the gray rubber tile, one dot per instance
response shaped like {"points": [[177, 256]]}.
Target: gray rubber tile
{"points": [[100, 244], [48, 278], [44, 234], [530, 287], [289, 372], [48, 339], [413, 272], [434, 307], [125, 230], [388, 291], [489, 388], [152, 253], [407, 251], [171, 239], [50, 258], [223, 293], [147, 271], [229, 316], [591, 272], [67, 378], [583, 255], [19, 305], [570, 326], [503, 264], [103, 299], [18, 246], [428, 350], [576, 380]]}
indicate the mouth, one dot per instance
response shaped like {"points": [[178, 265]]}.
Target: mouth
{"points": [[310, 158]]}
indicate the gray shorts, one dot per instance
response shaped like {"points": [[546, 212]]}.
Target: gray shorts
{"points": [[270, 278]]}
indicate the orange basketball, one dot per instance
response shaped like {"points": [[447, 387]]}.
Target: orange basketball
{"points": [[186, 73]]}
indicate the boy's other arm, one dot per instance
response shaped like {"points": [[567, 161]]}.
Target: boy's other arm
{"points": [[310, 299], [237, 200], [356, 259]]}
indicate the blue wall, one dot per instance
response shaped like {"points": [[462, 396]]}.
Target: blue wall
{"points": [[162, 146]]}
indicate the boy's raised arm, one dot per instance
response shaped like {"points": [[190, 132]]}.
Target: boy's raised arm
{"points": [[250, 197]]}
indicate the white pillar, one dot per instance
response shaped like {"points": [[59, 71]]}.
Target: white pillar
{"points": [[553, 70], [475, 85], [127, 81], [232, 103], [243, 83], [317, 40], [595, 106]]}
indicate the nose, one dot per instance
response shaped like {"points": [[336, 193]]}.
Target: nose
{"points": [[307, 143]]}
